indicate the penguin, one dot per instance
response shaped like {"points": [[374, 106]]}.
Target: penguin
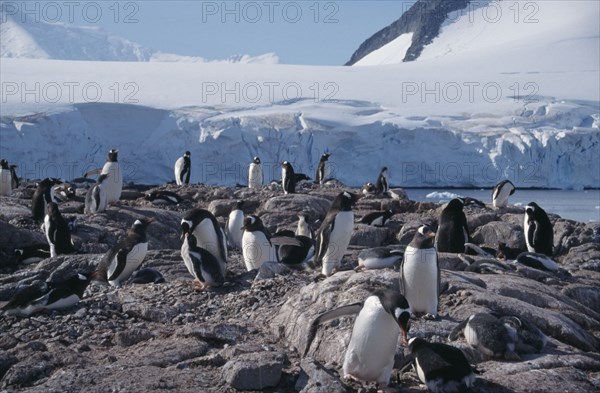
{"points": [[501, 192], [489, 335], [126, 256], [420, 274], [201, 264], [539, 233], [372, 347], [293, 251], [32, 254], [256, 243], [453, 231], [322, 169], [378, 258], [163, 197], [233, 227], [63, 192], [182, 169], [95, 199], [537, 261], [5, 178], [333, 236], [147, 276], [48, 296], [57, 232], [303, 228], [369, 189], [443, 368], [114, 186], [14, 177], [377, 219], [209, 235], [530, 338], [255, 174], [288, 178], [43, 195], [505, 252], [382, 182]]}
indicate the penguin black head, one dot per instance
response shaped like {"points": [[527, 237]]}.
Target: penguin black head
{"points": [[4, 164], [48, 182], [414, 343], [187, 154], [112, 155], [325, 156], [252, 223], [397, 306], [239, 205], [286, 165], [256, 160], [423, 238], [456, 204], [531, 209], [139, 226], [345, 200], [52, 210], [384, 170]]}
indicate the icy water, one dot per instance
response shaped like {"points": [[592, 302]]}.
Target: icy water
{"points": [[582, 206]]}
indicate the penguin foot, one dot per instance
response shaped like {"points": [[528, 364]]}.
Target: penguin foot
{"points": [[430, 317], [199, 286]]}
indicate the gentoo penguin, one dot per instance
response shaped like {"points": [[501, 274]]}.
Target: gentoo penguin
{"points": [[183, 168], [489, 335], [63, 192], [304, 228], [530, 338], [292, 250], [377, 219], [370, 352], [115, 184], [201, 264], [5, 178], [537, 261], [443, 368], [48, 296], [163, 197], [255, 174], [233, 227], [57, 231], [288, 178], [95, 199], [322, 169], [147, 276], [539, 233], [256, 244], [333, 236], [14, 177], [505, 252], [126, 256], [501, 192], [209, 235], [378, 258], [382, 181], [453, 231], [43, 195], [32, 254], [420, 273], [369, 189]]}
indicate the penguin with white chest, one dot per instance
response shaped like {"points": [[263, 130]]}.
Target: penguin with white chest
{"points": [[322, 169], [333, 236], [162, 197], [95, 199], [183, 169], [256, 244], [382, 185], [292, 250], [201, 264], [489, 335], [43, 195], [233, 227], [255, 174], [501, 192], [453, 231], [48, 296], [539, 233], [420, 273], [443, 368], [209, 235], [57, 232], [121, 260], [288, 178], [370, 353], [378, 258], [114, 186], [303, 228], [5, 178]]}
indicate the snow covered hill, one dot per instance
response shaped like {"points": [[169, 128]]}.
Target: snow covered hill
{"points": [[524, 109]]}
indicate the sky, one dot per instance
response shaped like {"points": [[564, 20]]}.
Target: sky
{"points": [[299, 32]]}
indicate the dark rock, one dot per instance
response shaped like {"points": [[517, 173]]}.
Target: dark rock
{"points": [[6, 361], [254, 371], [166, 352], [496, 232], [221, 333], [369, 236], [131, 337], [315, 379]]}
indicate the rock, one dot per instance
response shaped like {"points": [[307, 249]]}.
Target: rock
{"points": [[314, 206], [315, 379], [6, 361], [150, 312], [131, 337], [477, 220], [221, 333], [369, 236], [585, 295], [12, 237], [221, 207], [254, 371], [164, 353], [496, 232]]}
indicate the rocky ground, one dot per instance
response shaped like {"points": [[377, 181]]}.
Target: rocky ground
{"points": [[250, 333]]}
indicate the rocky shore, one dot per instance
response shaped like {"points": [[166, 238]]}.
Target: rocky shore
{"points": [[250, 333]]}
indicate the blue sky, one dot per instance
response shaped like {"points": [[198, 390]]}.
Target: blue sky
{"points": [[300, 32]]}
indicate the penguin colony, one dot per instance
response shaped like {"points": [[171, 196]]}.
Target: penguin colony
{"points": [[381, 319]]}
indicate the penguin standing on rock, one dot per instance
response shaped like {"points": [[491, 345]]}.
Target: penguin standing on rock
{"points": [[255, 174], [372, 347], [288, 178], [382, 185], [323, 169], [183, 168], [114, 186], [14, 177], [501, 192], [201, 264], [95, 199], [256, 244], [420, 274], [233, 227], [43, 195], [453, 231], [488, 335], [539, 233], [57, 232], [48, 296], [121, 260], [443, 368], [209, 235], [5, 178], [333, 236]]}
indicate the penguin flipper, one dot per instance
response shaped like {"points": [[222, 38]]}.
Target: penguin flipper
{"points": [[93, 172], [350, 309], [26, 295], [458, 330], [96, 196], [285, 241], [121, 259]]}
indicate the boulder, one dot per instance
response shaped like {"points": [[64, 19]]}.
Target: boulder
{"points": [[254, 371]]}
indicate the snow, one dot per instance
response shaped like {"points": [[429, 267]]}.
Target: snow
{"points": [[392, 53], [443, 195], [528, 113]]}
